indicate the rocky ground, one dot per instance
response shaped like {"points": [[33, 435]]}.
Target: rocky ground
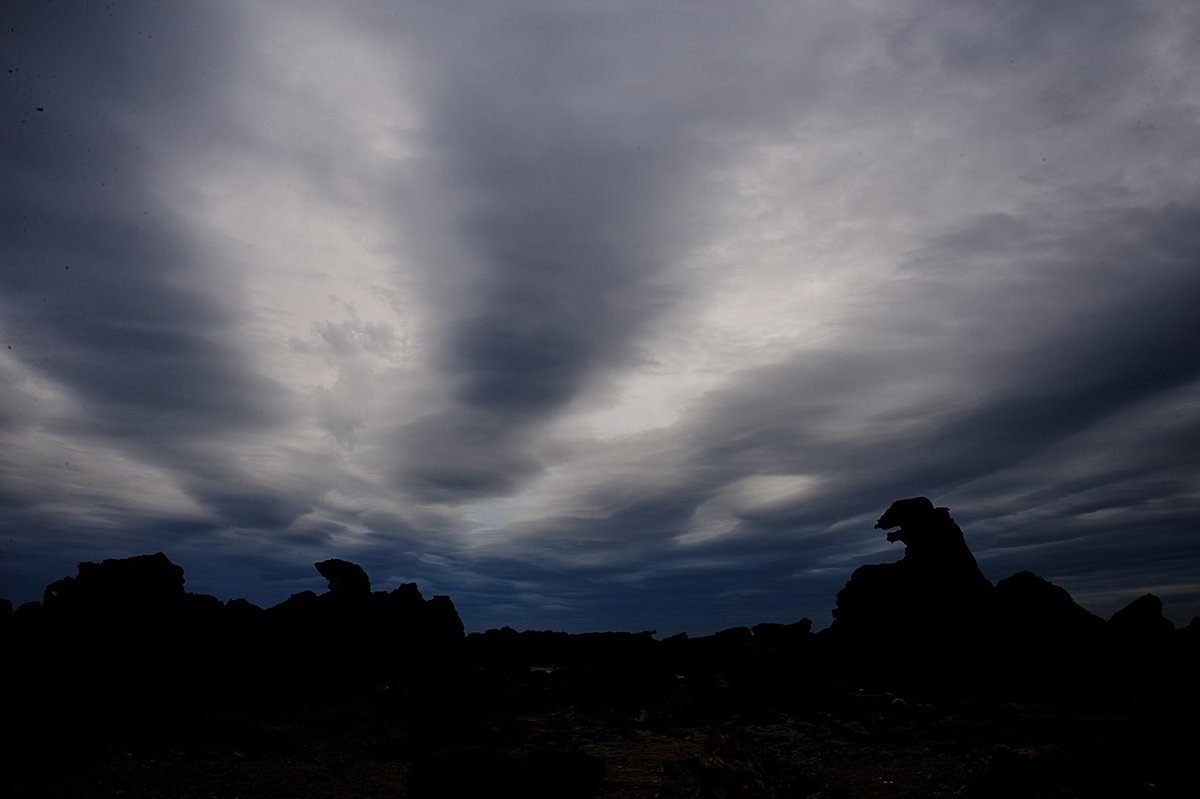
{"points": [[846, 744]]}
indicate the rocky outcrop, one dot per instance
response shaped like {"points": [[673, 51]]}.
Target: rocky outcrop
{"points": [[1141, 619], [935, 589], [351, 635], [933, 618], [138, 586], [1039, 638], [783, 636], [127, 625], [1033, 609]]}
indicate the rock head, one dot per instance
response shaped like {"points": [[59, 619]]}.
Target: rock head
{"points": [[345, 578], [933, 543]]}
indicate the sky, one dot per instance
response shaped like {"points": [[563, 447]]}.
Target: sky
{"points": [[600, 315]]}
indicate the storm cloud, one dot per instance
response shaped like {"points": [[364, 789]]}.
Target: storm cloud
{"points": [[600, 315]]}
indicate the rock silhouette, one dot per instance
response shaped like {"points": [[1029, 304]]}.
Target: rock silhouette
{"points": [[1038, 638], [934, 592], [1036, 609], [121, 658], [345, 578], [932, 541], [1141, 619], [137, 586]]}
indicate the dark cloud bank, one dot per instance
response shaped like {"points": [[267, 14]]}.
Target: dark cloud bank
{"points": [[1027, 355]]}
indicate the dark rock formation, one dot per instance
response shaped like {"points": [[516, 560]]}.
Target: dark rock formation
{"points": [[123, 635], [1189, 636], [783, 636], [1143, 651], [1141, 619], [122, 649], [138, 586], [134, 610], [1036, 610], [443, 619], [29, 613], [934, 546], [345, 578], [242, 609], [350, 635], [299, 606], [1040, 639], [722, 648], [955, 631], [936, 589]]}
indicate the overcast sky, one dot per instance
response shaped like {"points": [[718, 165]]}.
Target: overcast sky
{"points": [[600, 315]]}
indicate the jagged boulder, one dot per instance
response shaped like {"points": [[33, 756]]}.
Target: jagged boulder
{"points": [[298, 606], [1190, 635], [1034, 609], [29, 613], [783, 636], [1144, 656], [443, 620], [1187, 648], [351, 633], [119, 587], [242, 609], [1040, 638], [1142, 618]]}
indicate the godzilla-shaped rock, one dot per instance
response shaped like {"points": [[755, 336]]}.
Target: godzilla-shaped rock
{"points": [[933, 543], [345, 578], [934, 590]]}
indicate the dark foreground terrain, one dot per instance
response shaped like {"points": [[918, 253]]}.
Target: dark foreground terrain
{"points": [[932, 682], [851, 745]]}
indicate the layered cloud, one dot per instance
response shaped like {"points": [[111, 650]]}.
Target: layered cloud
{"points": [[600, 315]]}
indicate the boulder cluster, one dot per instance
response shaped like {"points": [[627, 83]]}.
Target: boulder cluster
{"points": [[934, 616], [136, 610], [124, 643], [123, 646]]}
